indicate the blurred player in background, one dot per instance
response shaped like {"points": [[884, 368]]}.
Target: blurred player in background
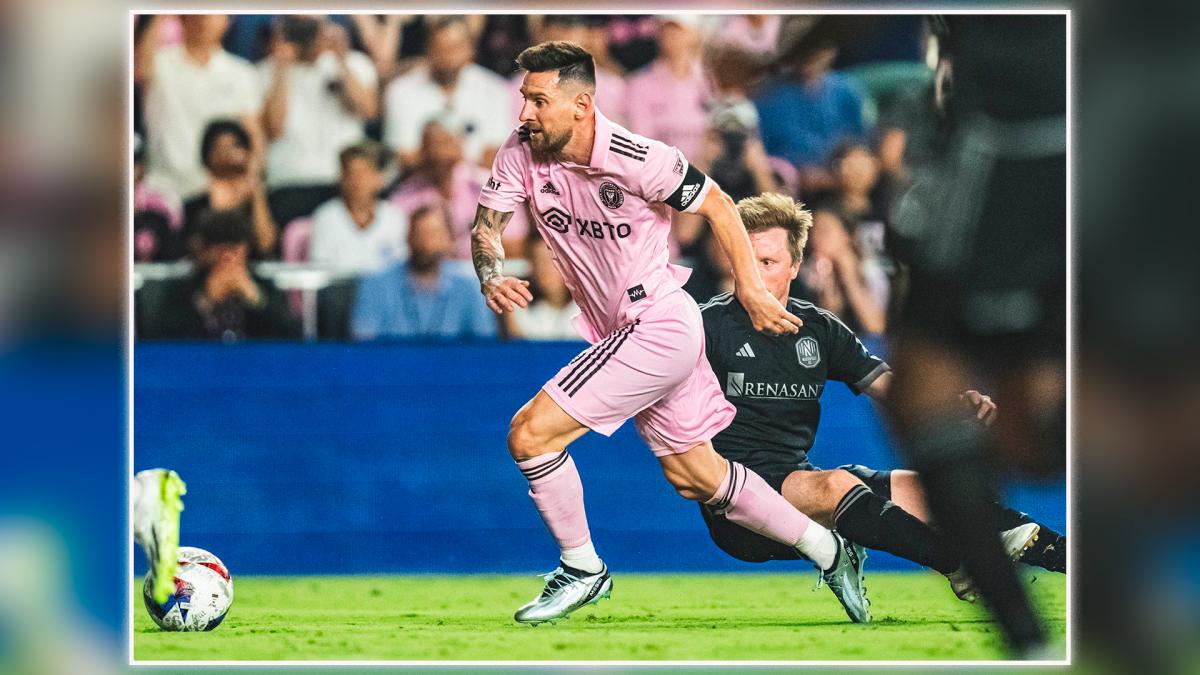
{"points": [[599, 195], [157, 503], [984, 233], [776, 384]]}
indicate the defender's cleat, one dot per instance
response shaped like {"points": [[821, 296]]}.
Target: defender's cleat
{"points": [[157, 505], [1016, 542], [567, 589], [845, 579], [1019, 539]]}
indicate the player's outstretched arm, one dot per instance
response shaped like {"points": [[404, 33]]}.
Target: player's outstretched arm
{"points": [[766, 312], [982, 405], [487, 253]]}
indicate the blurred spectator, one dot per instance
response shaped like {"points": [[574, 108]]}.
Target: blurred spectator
{"points": [[610, 83], [234, 183], [550, 315], [319, 96], [739, 52], [249, 36], [859, 205], [734, 151], [426, 296], [443, 179], [187, 86], [357, 231], [448, 83], [806, 111], [501, 38], [222, 299], [711, 272], [387, 38], [667, 99], [833, 270], [632, 40], [157, 215], [611, 87], [756, 34]]}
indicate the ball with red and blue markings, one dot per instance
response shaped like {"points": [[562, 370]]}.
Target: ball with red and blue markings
{"points": [[203, 593]]}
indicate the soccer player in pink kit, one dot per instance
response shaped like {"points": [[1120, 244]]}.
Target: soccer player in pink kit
{"points": [[600, 195]]}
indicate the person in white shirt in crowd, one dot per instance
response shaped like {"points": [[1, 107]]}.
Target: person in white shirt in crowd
{"points": [[320, 95], [449, 82], [357, 231], [189, 85], [549, 316]]}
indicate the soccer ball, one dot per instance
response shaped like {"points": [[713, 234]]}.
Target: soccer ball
{"points": [[203, 593]]}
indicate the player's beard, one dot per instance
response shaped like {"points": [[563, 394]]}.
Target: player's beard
{"points": [[548, 148]]}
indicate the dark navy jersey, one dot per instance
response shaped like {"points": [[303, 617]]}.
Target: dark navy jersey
{"points": [[776, 382]]}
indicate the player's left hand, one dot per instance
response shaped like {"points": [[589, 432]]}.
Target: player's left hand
{"points": [[983, 405]]}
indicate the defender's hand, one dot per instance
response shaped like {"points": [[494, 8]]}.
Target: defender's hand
{"points": [[767, 315], [504, 292], [983, 405]]}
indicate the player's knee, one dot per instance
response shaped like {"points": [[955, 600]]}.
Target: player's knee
{"points": [[522, 441]]}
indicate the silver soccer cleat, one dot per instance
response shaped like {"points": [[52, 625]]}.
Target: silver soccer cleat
{"points": [[1016, 542], [845, 579], [567, 589]]}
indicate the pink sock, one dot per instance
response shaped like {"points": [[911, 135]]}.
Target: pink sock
{"points": [[557, 492], [746, 499]]}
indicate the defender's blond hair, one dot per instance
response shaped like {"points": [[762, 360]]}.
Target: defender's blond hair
{"points": [[770, 210]]}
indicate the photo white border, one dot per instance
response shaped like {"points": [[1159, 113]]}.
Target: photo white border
{"points": [[1071, 295]]}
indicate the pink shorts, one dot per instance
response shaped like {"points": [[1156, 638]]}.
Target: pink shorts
{"points": [[653, 370]]}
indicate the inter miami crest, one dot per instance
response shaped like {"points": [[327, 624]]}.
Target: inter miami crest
{"points": [[807, 352], [611, 195]]}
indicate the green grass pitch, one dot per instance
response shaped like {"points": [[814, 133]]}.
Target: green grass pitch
{"points": [[760, 616]]}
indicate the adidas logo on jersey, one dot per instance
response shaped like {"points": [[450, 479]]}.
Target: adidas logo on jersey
{"points": [[549, 189], [746, 351], [689, 193]]}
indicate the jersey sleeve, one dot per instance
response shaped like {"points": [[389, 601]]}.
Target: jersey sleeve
{"points": [[849, 360], [504, 190], [671, 179]]}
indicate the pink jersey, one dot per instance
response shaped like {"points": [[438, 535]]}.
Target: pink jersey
{"points": [[607, 224]]}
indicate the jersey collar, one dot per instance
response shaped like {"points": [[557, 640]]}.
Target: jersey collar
{"points": [[600, 142]]}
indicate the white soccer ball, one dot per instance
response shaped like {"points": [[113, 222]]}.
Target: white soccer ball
{"points": [[203, 593]]}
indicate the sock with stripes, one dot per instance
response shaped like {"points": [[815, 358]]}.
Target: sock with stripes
{"points": [[746, 499], [557, 493], [866, 518]]}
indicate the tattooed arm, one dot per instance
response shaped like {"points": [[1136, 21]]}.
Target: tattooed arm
{"points": [[487, 253]]}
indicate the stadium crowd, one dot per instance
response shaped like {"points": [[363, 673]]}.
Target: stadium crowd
{"points": [[359, 144]]}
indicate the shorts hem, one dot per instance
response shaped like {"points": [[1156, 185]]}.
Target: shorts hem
{"points": [[560, 397]]}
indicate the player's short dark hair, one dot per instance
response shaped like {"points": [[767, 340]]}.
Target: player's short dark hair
{"points": [[572, 62], [372, 151], [770, 210], [219, 128]]}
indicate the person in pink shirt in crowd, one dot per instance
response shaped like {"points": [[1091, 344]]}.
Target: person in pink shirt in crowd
{"points": [[666, 100], [610, 83], [752, 33], [601, 198], [157, 215], [444, 180]]}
